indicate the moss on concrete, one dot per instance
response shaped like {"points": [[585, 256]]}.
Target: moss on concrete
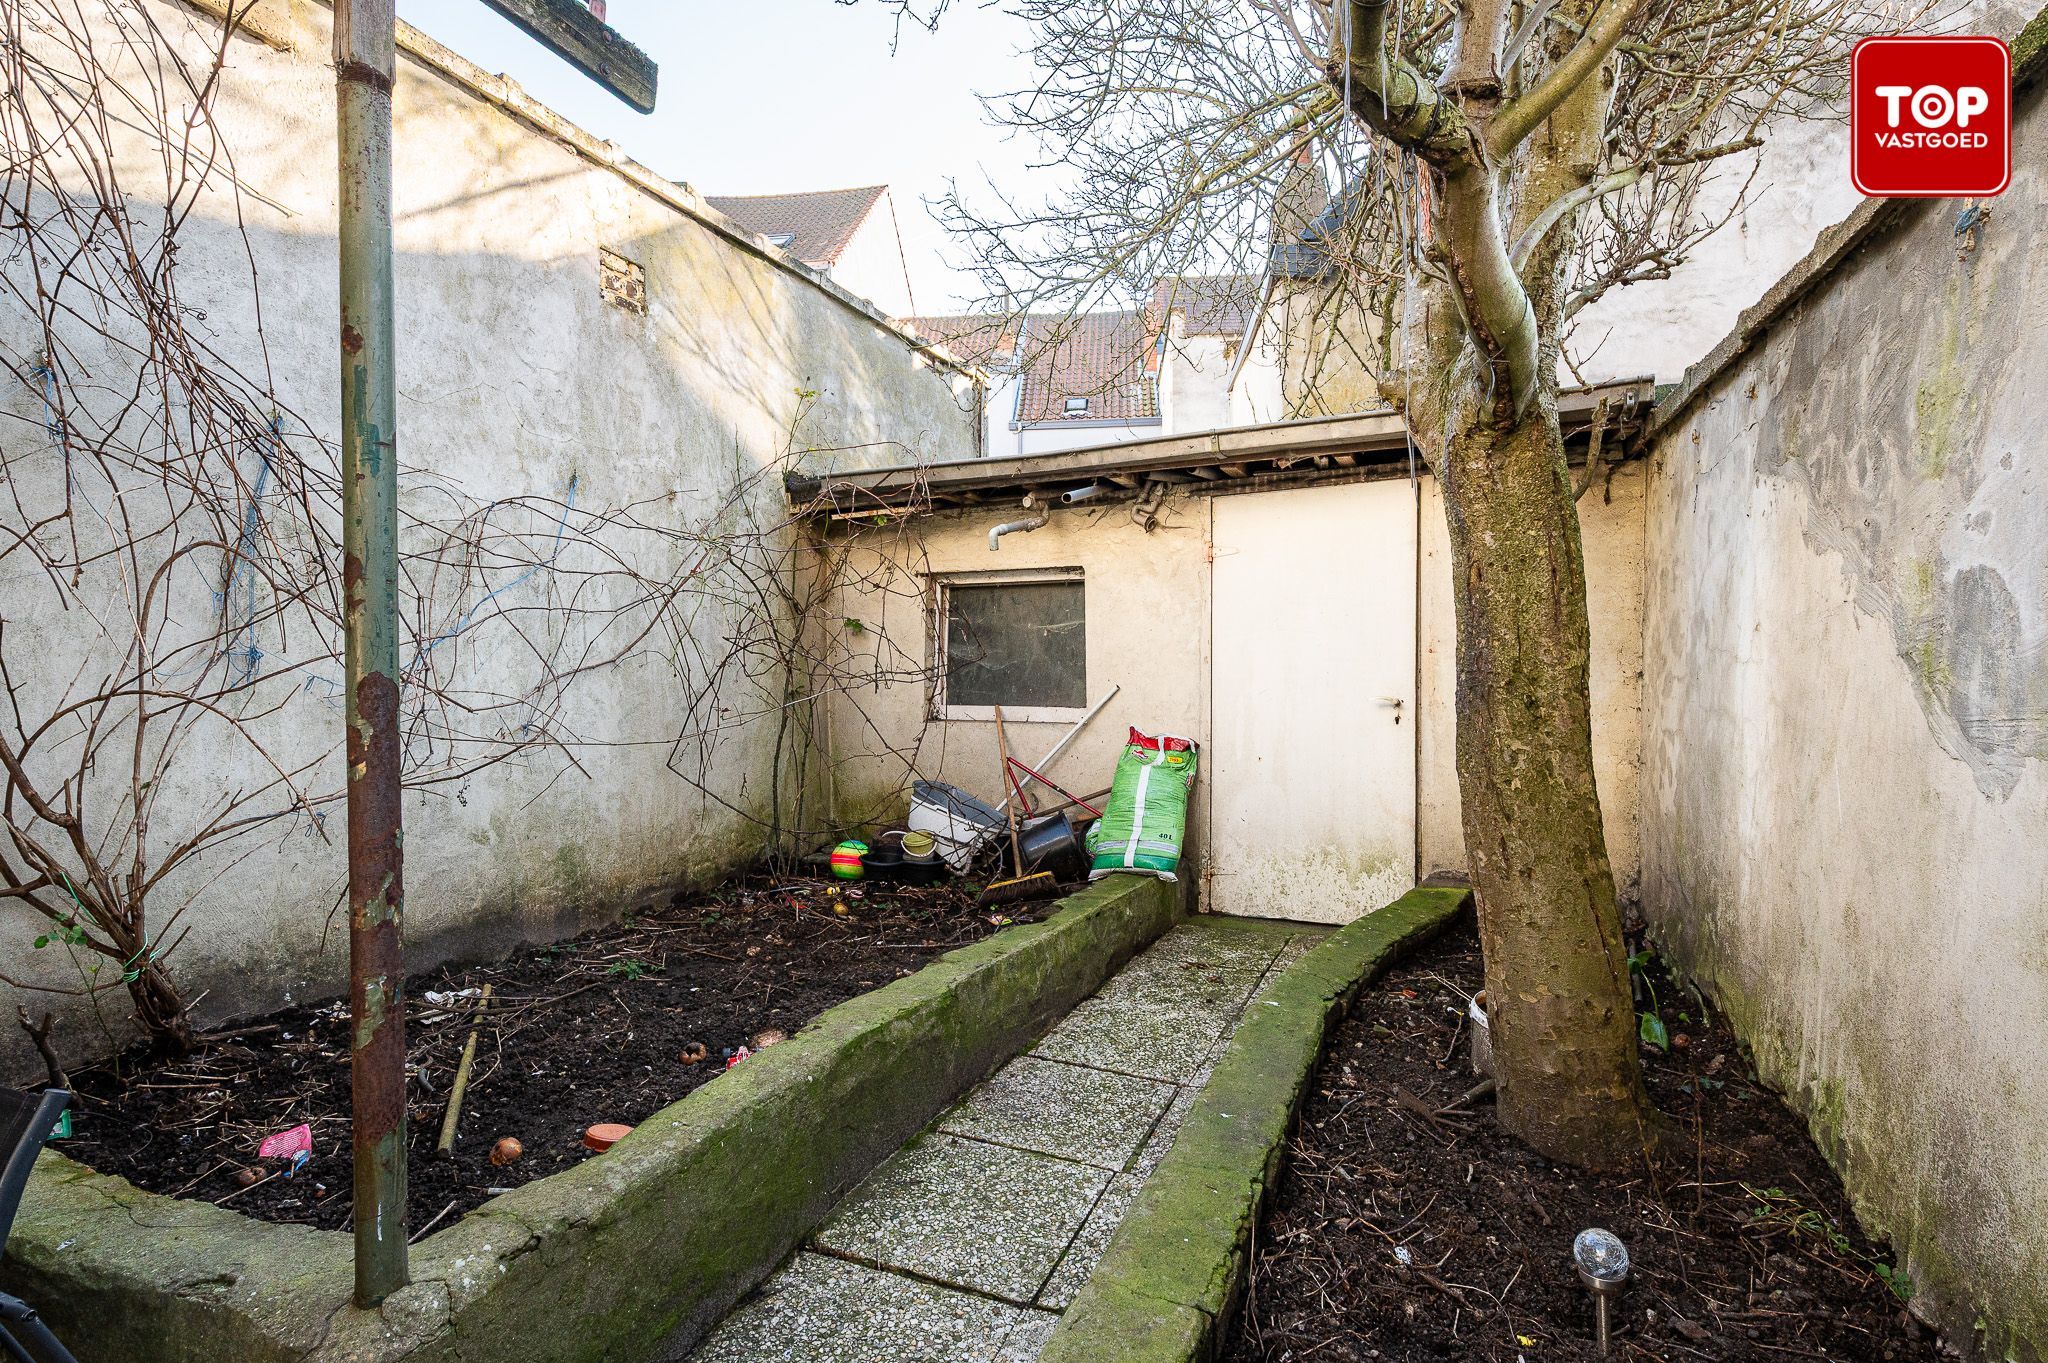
{"points": [[1173, 1271], [625, 1254]]}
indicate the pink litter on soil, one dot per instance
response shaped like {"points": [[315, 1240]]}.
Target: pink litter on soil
{"points": [[287, 1144]]}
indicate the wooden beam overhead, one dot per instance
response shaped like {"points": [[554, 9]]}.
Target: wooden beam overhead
{"points": [[1212, 459], [587, 43]]}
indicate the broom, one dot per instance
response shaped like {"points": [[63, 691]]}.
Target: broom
{"points": [[1037, 885]]}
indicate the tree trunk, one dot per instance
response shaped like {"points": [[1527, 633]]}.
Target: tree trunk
{"points": [[161, 1010], [1564, 1035]]}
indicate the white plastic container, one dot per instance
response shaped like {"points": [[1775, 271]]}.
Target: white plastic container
{"points": [[960, 824], [1482, 1037]]}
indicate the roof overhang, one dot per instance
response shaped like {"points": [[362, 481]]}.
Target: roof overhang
{"points": [[1238, 458]]}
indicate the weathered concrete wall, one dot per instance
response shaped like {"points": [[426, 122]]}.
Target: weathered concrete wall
{"points": [[1612, 531], [1845, 777], [516, 378]]}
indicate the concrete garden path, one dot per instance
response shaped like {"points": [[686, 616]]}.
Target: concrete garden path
{"points": [[965, 1246]]}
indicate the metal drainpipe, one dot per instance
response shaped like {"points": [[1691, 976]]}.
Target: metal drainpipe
{"points": [[364, 60]]}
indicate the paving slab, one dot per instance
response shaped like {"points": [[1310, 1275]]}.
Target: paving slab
{"points": [[979, 1216], [1079, 1260], [1197, 945], [1056, 1108], [1149, 1035], [1161, 1140], [824, 1310]]}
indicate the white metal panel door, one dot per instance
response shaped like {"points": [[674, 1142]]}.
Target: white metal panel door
{"points": [[1311, 779]]}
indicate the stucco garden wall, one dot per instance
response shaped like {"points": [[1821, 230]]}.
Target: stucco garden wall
{"points": [[1845, 785], [516, 379]]}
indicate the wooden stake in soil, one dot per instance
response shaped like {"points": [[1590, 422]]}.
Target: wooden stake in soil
{"points": [[1022, 887], [445, 1147], [1010, 805]]}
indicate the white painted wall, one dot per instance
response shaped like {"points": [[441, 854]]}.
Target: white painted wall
{"points": [[515, 378], [1049, 437], [1256, 393], [873, 267], [1194, 373]]}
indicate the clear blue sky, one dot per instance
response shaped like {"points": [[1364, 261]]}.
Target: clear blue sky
{"points": [[761, 96]]}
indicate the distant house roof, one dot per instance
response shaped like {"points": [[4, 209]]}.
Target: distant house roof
{"points": [[1095, 366], [814, 227], [1211, 305], [985, 339], [1090, 367]]}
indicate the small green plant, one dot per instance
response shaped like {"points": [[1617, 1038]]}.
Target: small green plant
{"points": [[630, 969], [1775, 1206], [1649, 1026], [68, 932]]}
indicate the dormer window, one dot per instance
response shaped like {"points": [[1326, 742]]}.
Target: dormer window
{"points": [[782, 240], [1077, 407]]}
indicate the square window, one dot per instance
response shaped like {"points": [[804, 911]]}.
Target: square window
{"points": [[784, 240], [1077, 406], [1017, 642]]}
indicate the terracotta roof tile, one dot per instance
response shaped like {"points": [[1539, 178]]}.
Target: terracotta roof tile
{"points": [[1211, 305], [986, 339], [1102, 357], [820, 222]]}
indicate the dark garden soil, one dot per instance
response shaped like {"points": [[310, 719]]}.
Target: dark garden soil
{"points": [[1400, 1234], [596, 1029]]}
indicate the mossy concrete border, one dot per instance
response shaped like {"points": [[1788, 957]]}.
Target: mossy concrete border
{"points": [[628, 1255], [1166, 1285]]}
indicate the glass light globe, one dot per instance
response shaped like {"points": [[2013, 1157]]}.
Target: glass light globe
{"points": [[1600, 1255]]}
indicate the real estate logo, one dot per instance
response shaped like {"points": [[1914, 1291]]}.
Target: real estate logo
{"points": [[1930, 117]]}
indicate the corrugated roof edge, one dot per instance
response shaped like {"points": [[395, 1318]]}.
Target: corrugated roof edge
{"points": [[510, 97], [1867, 222]]}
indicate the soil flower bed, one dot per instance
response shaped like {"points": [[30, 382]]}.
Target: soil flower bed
{"points": [[608, 1027], [1402, 1231]]}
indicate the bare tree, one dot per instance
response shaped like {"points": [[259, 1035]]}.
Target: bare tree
{"points": [[1499, 165], [170, 565]]}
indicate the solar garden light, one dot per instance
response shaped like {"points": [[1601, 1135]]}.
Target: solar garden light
{"points": [[1602, 1262]]}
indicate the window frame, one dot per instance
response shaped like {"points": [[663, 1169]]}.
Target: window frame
{"points": [[937, 706]]}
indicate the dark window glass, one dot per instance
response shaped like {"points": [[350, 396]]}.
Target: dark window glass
{"points": [[1016, 643]]}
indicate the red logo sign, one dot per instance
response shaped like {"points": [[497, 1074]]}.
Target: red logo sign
{"points": [[1931, 118]]}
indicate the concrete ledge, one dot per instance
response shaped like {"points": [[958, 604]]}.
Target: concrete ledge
{"points": [[629, 1255], [1173, 1271]]}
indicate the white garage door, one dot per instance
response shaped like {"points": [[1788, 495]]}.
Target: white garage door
{"points": [[1311, 779]]}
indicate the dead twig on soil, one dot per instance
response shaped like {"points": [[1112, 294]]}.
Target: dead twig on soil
{"points": [[39, 1034]]}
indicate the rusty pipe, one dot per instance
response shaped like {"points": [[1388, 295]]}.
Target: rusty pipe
{"points": [[365, 53], [1029, 523]]}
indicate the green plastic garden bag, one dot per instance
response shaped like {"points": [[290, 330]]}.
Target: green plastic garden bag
{"points": [[1145, 822]]}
